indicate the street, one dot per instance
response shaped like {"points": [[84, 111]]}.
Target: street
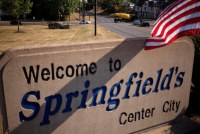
{"points": [[126, 30]]}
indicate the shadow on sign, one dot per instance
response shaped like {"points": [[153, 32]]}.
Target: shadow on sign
{"points": [[127, 55]]}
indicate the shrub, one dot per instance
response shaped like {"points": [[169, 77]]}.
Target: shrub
{"points": [[196, 67], [194, 109]]}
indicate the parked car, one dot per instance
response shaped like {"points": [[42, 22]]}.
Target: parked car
{"points": [[15, 22], [85, 22], [58, 25], [137, 22], [141, 23], [144, 23]]}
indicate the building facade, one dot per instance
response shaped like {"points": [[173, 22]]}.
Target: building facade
{"points": [[147, 10]]}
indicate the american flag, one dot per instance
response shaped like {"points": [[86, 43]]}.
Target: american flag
{"points": [[181, 18]]}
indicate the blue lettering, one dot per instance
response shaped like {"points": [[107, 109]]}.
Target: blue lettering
{"points": [[138, 85], [111, 101], [148, 82], [48, 109], [69, 97], [158, 80], [84, 95], [165, 84], [95, 93], [30, 105], [128, 86], [98, 94], [179, 79]]}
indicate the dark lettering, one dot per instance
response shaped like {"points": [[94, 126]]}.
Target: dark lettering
{"points": [[93, 68], [72, 71], [59, 75], [117, 65], [165, 106], [78, 71], [130, 117], [110, 62], [120, 118], [45, 72], [52, 73], [31, 73]]}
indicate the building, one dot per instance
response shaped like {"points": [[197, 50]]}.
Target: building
{"points": [[128, 4], [148, 10]]}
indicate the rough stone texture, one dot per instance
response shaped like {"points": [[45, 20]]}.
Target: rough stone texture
{"points": [[96, 119]]}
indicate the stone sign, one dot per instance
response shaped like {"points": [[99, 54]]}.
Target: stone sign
{"points": [[109, 87]]}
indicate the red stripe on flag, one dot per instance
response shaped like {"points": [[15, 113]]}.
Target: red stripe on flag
{"points": [[168, 17], [175, 22], [169, 8], [184, 23], [179, 17], [184, 33]]}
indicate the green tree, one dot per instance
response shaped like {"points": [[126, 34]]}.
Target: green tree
{"points": [[68, 7], [0, 3], [109, 5], [17, 7], [51, 9]]}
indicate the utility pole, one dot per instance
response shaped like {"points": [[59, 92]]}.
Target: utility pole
{"points": [[83, 10], [79, 10], [95, 18]]}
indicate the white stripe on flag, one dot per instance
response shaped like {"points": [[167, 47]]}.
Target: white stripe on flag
{"points": [[169, 13], [180, 19], [190, 16], [181, 29], [175, 15]]}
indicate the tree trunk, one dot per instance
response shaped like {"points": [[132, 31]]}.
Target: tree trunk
{"points": [[18, 25]]}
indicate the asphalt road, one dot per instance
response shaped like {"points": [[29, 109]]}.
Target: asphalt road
{"points": [[126, 30]]}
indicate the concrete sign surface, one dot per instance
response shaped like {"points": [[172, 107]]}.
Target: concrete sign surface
{"points": [[98, 88]]}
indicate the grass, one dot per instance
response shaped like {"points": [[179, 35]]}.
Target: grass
{"points": [[30, 35]]}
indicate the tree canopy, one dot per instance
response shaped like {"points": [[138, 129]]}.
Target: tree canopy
{"points": [[16, 7], [50, 9], [109, 5]]}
